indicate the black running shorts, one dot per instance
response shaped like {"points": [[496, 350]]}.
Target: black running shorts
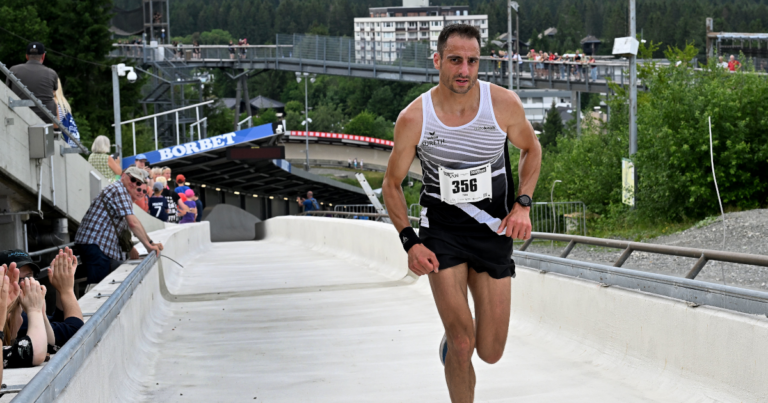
{"points": [[490, 254]]}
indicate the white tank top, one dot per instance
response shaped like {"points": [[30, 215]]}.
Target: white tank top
{"points": [[479, 142]]}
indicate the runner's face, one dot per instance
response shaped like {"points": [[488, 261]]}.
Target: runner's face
{"points": [[459, 65]]}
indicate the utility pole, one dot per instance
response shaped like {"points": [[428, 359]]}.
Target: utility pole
{"points": [[633, 92], [510, 5], [632, 85]]}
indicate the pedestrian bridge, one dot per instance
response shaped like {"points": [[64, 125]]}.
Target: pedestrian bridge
{"points": [[343, 56], [325, 309]]}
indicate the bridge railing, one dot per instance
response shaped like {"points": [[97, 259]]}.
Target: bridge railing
{"points": [[339, 51]]}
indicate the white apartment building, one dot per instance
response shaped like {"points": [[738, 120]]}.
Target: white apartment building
{"points": [[388, 29]]}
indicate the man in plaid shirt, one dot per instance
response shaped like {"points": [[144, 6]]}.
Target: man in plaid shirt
{"points": [[97, 237]]}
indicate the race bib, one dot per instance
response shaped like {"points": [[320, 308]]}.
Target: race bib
{"points": [[465, 185]]}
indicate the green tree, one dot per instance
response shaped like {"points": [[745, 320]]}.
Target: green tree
{"points": [[553, 128], [364, 124], [326, 118]]}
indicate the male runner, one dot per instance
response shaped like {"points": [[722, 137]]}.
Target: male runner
{"points": [[470, 215]]}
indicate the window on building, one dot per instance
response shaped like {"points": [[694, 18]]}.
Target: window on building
{"points": [[437, 23], [435, 34], [485, 31], [377, 25], [378, 34], [412, 35], [378, 53], [412, 24], [400, 36], [399, 25], [387, 25], [485, 22], [433, 44], [424, 24], [424, 34], [466, 12]]}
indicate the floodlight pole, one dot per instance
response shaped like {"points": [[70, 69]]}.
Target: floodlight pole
{"points": [[116, 104], [306, 122], [633, 91]]}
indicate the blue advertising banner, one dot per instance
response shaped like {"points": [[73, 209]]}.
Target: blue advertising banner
{"points": [[203, 145]]}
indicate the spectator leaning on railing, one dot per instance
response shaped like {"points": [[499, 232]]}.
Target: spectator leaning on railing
{"points": [[67, 317], [41, 81], [107, 166], [103, 236]]}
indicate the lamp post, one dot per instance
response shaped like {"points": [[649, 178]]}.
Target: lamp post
{"points": [[119, 70], [512, 5], [307, 120]]}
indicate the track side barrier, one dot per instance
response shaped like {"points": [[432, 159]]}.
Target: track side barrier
{"points": [[667, 348]]}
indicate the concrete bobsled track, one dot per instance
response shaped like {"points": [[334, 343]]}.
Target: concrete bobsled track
{"points": [[325, 310]]}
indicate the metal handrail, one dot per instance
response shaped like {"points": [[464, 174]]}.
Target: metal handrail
{"points": [[703, 255], [52, 249], [64, 365], [39, 105], [165, 113], [347, 213]]}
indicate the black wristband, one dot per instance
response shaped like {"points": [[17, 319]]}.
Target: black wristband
{"points": [[409, 238]]}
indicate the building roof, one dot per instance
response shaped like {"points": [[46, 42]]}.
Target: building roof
{"points": [[259, 102], [591, 39]]}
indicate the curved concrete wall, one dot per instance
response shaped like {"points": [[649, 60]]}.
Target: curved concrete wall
{"points": [[295, 151], [664, 346]]}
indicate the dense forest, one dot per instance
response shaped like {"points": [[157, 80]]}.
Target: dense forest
{"points": [[672, 22]]}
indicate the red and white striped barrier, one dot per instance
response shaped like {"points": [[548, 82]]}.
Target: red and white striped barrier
{"points": [[341, 136]]}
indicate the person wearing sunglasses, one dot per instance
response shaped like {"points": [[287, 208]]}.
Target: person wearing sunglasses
{"points": [[141, 199], [109, 214]]}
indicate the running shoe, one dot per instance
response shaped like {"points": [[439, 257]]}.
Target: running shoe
{"points": [[443, 349]]}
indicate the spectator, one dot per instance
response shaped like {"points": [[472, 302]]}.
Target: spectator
{"points": [[158, 205], [593, 68], [41, 81], [502, 61], [349, 163], [67, 317], [188, 216], [167, 175], [5, 286], [30, 349], [196, 50], [173, 200], [733, 64], [141, 198], [64, 113], [361, 165], [142, 162], [199, 207], [354, 163], [107, 220], [722, 63], [493, 62], [180, 186], [243, 48], [231, 49], [107, 165], [309, 204]]}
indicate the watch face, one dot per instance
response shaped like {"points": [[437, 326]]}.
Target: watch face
{"points": [[524, 200]]}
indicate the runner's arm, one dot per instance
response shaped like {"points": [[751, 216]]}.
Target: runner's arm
{"points": [[407, 134], [509, 108]]}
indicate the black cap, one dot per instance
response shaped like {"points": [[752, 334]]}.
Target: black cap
{"points": [[21, 259], [35, 48]]}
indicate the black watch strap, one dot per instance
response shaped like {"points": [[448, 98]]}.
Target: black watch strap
{"points": [[524, 200]]}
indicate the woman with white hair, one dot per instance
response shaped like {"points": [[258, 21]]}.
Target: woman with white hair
{"points": [[102, 161], [65, 117]]}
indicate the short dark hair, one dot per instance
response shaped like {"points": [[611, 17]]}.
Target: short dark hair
{"points": [[463, 30]]}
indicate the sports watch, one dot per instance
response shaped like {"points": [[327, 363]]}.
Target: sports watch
{"points": [[524, 200]]}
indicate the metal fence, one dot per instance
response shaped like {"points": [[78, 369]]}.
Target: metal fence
{"points": [[559, 217]]}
